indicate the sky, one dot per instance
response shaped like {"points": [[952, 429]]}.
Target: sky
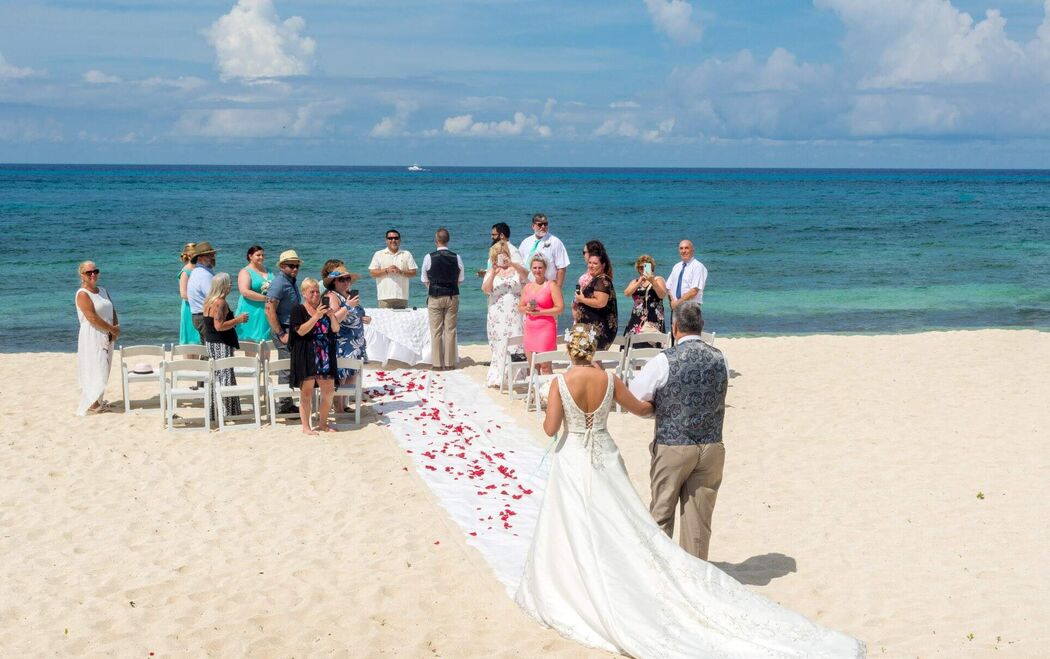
{"points": [[610, 83]]}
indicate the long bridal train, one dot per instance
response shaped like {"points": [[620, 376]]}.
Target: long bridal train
{"points": [[602, 573]]}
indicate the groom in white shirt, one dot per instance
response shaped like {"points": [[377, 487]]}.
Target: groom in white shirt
{"points": [[687, 385]]}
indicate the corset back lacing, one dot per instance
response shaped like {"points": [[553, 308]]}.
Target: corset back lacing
{"points": [[591, 445]]}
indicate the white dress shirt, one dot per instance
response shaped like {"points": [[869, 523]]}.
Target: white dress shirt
{"points": [[550, 247], [654, 374], [392, 286], [692, 275], [426, 266]]}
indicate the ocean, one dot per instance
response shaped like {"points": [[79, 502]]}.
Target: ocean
{"points": [[788, 251]]}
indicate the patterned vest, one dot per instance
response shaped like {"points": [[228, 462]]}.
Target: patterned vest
{"points": [[690, 408]]}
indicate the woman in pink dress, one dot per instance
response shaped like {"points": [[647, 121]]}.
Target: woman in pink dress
{"points": [[541, 302]]}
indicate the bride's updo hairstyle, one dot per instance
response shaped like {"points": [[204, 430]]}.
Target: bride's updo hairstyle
{"points": [[582, 342]]}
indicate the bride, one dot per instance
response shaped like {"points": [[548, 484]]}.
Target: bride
{"points": [[602, 573]]}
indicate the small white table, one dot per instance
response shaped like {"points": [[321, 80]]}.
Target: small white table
{"points": [[399, 334]]}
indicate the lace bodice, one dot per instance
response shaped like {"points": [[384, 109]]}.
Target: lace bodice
{"points": [[578, 421]]}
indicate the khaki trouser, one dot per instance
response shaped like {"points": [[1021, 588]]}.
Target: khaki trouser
{"points": [[686, 477], [393, 303], [444, 312]]}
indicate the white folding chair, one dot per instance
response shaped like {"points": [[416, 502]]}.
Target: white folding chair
{"points": [[609, 360], [246, 387], [154, 355], [251, 349], [512, 370], [635, 360], [708, 338], [655, 339], [187, 369], [557, 359], [188, 351], [358, 388], [275, 390]]}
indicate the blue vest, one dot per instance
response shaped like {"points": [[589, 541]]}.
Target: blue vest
{"points": [[691, 407]]}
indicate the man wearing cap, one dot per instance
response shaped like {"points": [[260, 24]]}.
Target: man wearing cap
{"points": [[281, 298], [392, 267], [442, 275], [199, 283]]}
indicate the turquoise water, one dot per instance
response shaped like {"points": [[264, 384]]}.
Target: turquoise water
{"points": [[789, 251]]}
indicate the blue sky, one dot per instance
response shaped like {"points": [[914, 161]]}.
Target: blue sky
{"points": [[840, 83]]}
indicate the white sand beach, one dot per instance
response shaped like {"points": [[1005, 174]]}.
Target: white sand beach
{"points": [[891, 487]]}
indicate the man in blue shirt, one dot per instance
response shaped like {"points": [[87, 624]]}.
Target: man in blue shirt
{"points": [[283, 296], [199, 283]]}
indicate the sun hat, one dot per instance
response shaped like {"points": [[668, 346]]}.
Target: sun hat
{"points": [[200, 249], [288, 256], [142, 369], [333, 275]]}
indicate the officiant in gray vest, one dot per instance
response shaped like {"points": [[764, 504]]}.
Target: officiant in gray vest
{"points": [[442, 275], [687, 385]]}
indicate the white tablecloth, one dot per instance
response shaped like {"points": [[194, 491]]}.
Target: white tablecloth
{"points": [[401, 335]]}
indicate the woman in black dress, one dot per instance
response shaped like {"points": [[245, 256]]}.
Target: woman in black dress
{"points": [[597, 300], [647, 291], [313, 351]]}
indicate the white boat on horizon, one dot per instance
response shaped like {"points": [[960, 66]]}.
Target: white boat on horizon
{"points": [[416, 168]]}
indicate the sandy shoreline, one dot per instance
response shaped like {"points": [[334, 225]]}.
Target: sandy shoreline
{"points": [[854, 465]]}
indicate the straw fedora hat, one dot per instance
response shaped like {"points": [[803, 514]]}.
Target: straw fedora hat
{"points": [[289, 256], [200, 249]]}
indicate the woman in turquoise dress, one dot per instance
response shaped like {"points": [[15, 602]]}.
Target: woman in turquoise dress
{"points": [[187, 332], [252, 282]]}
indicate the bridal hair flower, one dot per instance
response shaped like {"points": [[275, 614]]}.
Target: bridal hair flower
{"points": [[582, 341]]}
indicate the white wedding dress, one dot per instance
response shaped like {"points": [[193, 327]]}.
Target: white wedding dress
{"points": [[602, 573]]}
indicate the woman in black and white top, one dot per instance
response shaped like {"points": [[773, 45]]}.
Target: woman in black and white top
{"points": [[220, 336]]}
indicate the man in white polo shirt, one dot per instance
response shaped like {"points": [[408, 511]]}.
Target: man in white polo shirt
{"points": [[543, 242], [392, 269], [688, 277]]}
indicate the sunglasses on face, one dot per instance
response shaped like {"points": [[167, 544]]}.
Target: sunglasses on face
{"points": [[393, 238], [292, 266], [92, 272], [541, 224]]}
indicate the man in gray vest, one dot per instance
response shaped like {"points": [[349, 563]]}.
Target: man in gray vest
{"points": [[442, 275], [687, 385]]}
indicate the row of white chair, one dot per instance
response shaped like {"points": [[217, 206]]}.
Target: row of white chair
{"points": [[182, 379], [625, 358]]}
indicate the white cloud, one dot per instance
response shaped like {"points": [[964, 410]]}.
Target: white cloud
{"points": [[883, 114], [548, 107], [617, 105], [9, 71], [309, 120], [464, 125], [251, 42], [395, 125], [628, 128], [182, 83], [780, 72], [96, 77], [904, 43], [675, 19]]}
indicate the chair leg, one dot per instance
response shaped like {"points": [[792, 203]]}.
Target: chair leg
{"points": [[207, 405], [357, 398], [127, 399]]}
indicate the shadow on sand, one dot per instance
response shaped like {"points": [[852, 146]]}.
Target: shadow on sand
{"points": [[759, 570]]}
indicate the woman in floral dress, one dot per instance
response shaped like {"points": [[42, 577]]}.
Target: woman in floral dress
{"points": [[502, 284], [350, 342]]}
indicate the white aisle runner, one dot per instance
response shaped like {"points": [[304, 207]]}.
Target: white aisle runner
{"points": [[484, 469]]}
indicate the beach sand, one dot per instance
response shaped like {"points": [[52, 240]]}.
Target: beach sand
{"points": [[891, 487]]}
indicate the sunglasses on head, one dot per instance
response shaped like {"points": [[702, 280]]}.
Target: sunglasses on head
{"points": [[92, 272]]}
